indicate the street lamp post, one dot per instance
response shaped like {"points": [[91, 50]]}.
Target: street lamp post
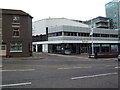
{"points": [[91, 34], [92, 46]]}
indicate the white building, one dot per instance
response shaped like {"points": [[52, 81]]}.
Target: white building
{"points": [[69, 36], [39, 27]]}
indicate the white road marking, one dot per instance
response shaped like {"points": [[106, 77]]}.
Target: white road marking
{"points": [[110, 65], [91, 76], [17, 70], [17, 84], [117, 67], [74, 67]]}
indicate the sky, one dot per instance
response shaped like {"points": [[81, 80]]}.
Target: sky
{"points": [[70, 9]]}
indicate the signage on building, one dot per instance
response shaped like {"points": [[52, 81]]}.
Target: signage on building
{"points": [[96, 45], [84, 41], [105, 45]]}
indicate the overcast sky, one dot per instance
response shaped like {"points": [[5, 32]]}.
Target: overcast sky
{"points": [[71, 9]]}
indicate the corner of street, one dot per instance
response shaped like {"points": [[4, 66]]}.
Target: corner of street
{"points": [[44, 70]]}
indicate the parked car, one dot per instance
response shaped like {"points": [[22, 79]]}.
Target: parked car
{"points": [[119, 57], [67, 52]]}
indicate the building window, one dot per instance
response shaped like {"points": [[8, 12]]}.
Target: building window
{"points": [[114, 48], [16, 32], [59, 34], [83, 34], [70, 33], [55, 34], [16, 19], [2, 47], [96, 35], [104, 35], [73, 33], [16, 47], [51, 34], [66, 33], [114, 36]]}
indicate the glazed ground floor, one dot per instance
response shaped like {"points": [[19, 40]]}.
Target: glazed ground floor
{"points": [[76, 48]]}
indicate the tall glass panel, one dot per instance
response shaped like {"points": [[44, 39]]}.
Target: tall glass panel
{"points": [[0, 44], [112, 11]]}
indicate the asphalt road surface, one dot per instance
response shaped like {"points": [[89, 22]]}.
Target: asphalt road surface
{"points": [[59, 71]]}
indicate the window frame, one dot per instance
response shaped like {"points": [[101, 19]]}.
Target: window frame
{"points": [[13, 34], [17, 17], [16, 45], [2, 47]]}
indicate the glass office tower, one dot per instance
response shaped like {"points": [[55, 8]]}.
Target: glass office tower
{"points": [[112, 11]]}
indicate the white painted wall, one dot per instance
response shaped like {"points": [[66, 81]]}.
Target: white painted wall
{"points": [[40, 26], [44, 47]]}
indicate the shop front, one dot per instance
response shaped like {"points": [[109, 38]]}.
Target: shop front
{"points": [[74, 48]]}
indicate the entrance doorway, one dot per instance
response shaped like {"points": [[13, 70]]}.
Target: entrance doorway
{"points": [[40, 48], [2, 50]]}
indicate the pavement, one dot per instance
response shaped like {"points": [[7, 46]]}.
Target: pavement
{"points": [[40, 56], [85, 56]]}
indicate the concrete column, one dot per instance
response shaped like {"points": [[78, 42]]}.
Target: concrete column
{"points": [[36, 48], [45, 48], [62, 33], [77, 33]]}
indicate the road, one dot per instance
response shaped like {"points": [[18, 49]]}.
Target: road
{"points": [[59, 71]]}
